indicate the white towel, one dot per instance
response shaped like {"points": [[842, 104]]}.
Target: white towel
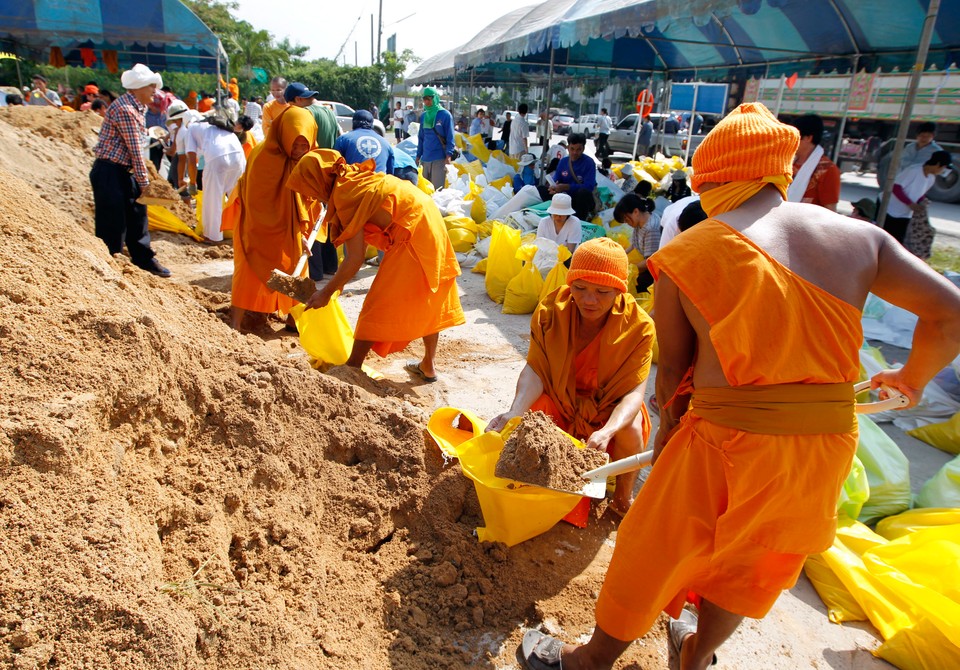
{"points": [[802, 179]]}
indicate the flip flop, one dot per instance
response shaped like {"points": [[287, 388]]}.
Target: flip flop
{"points": [[539, 651], [413, 367], [682, 628]]}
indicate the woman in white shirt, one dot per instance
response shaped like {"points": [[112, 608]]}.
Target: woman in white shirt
{"points": [[561, 226]]}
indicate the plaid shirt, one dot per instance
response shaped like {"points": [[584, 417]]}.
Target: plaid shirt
{"points": [[122, 135], [646, 240]]}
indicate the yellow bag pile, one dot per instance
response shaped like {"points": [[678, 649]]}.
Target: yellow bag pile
{"points": [[523, 291], [944, 436], [502, 262], [485, 229], [904, 579], [161, 218], [424, 185], [557, 276], [462, 232], [478, 148], [503, 181]]}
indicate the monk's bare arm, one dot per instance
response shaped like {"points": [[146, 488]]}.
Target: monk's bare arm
{"points": [[529, 388], [678, 345], [623, 415], [354, 248], [908, 282]]}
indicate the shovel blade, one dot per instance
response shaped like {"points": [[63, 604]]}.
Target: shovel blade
{"points": [[298, 288]]}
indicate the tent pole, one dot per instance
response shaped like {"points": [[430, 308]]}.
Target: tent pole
{"points": [[783, 82], [693, 116], [549, 95], [846, 112], [918, 68], [19, 76], [219, 78]]}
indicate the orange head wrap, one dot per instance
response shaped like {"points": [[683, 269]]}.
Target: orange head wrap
{"points": [[600, 261], [748, 144]]}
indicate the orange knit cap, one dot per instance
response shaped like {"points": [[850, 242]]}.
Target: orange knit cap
{"points": [[600, 261], [748, 144]]}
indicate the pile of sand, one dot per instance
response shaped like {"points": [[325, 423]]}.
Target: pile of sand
{"points": [[76, 129], [174, 494], [537, 452]]}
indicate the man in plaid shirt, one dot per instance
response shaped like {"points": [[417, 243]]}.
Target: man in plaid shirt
{"points": [[119, 174]]}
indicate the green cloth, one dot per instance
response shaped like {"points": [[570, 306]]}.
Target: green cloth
{"points": [[430, 113], [327, 128]]}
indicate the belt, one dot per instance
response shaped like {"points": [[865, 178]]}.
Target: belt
{"points": [[780, 409]]}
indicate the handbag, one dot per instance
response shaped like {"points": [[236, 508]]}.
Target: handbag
{"points": [[443, 142]]}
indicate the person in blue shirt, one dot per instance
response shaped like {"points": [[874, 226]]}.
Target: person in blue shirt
{"points": [[527, 175], [576, 174], [435, 145], [405, 166], [362, 143]]}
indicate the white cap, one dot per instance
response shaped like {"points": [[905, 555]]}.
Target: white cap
{"points": [[561, 204], [139, 76], [176, 109], [527, 159]]}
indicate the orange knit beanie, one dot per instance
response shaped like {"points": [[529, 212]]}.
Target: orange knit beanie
{"points": [[600, 261], [748, 144]]}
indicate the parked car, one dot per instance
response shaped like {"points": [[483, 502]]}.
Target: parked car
{"points": [[502, 116], [561, 124], [670, 144], [343, 112], [586, 124], [532, 120]]}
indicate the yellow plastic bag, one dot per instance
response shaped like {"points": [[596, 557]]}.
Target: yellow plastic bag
{"points": [[502, 262], [198, 208], [161, 218], [479, 149], [503, 181], [424, 185], [557, 276], [510, 515], [480, 268], [632, 273], [325, 333], [478, 210], [462, 240], [451, 222], [944, 436], [904, 523], [523, 291]]}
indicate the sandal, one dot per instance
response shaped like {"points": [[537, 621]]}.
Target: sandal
{"points": [[413, 367], [682, 628], [539, 651]]}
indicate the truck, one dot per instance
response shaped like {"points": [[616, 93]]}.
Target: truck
{"points": [[861, 112]]}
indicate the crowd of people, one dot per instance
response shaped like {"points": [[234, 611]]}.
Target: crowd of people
{"points": [[757, 428]]}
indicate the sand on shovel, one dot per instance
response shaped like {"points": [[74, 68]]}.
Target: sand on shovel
{"points": [[537, 452], [298, 288]]}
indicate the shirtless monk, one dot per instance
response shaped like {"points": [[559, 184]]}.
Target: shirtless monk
{"points": [[758, 319], [414, 294]]}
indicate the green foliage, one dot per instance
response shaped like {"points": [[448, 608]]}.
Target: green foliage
{"points": [[394, 65], [354, 86]]}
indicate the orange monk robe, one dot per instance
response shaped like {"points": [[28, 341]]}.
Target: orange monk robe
{"points": [[271, 111], [730, 514], [248, 144], [415, 291], [272, 217], [582, 390]]}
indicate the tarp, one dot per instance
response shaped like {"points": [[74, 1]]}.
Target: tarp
{"points": [[680, 36], [162, 34]]}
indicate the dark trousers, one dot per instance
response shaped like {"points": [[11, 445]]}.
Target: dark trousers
{"points": [[603, 149], [583, 204], [897, 227], [117, 217], [323, 260], [156, 155], [173, 176]]}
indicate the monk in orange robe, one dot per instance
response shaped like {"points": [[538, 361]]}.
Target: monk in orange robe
{"points": [[270, 219], [758, 319], [272, 109], [414, 294], [596, 398]]}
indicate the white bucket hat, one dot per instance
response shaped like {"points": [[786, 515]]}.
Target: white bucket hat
{"points": [[139, 76], [561, 204], [527, 159]]}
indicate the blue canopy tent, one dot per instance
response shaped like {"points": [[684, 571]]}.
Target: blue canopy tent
{"points": [[162, 34]]}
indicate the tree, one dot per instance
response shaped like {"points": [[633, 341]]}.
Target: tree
{"points": [[395, 65]]}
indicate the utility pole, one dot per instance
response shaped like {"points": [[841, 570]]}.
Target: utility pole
{"points": [[371, 40], [379, 30]]}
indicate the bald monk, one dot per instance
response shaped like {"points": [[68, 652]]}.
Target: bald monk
{"points": [[758, 319], [414, 294], [270, 219], [589, 359]]}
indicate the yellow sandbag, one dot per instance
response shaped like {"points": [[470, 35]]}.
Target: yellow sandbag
{"points": [[325, 333], [621, 238], [478, 210], [944, 436], [557, 276], [161, 218], [503, 181], [528, 238], [840, 603], [369, 252], [523, 291], [475, 189], [481, 267], [632, 273], [510, 514], [504, 158], [198, 208], [904, 523], [462, 240], [502, 262], [451, 222], [478, 148], [424, 185]]}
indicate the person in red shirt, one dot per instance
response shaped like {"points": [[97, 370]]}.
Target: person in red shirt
{"points": [[816, 180]]}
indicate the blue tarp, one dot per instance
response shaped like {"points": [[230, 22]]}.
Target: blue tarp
{"points": [[681, 36], [163, 34]]}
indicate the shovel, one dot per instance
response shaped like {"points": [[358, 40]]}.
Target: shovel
{"points": [[596, 479], [297, 287]]}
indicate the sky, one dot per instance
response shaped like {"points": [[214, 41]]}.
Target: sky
{"points": [[324, 25]]}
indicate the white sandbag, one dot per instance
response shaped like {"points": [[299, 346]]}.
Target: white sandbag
{"points": [[888, 323], [470, 259], [546, 256], [527, 196], [481, 180], [460, 184], [497, 169], [494, 198], [414, 131], [606, 217], [483, 246], [531, 219]]}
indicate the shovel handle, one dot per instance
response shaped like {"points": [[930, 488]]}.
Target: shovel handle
{"points": [[628, 464], [895, 400], [310, 240]]}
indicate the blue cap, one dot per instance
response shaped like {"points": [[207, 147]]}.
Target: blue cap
{"points": [[362, 118], [298, 90]]}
